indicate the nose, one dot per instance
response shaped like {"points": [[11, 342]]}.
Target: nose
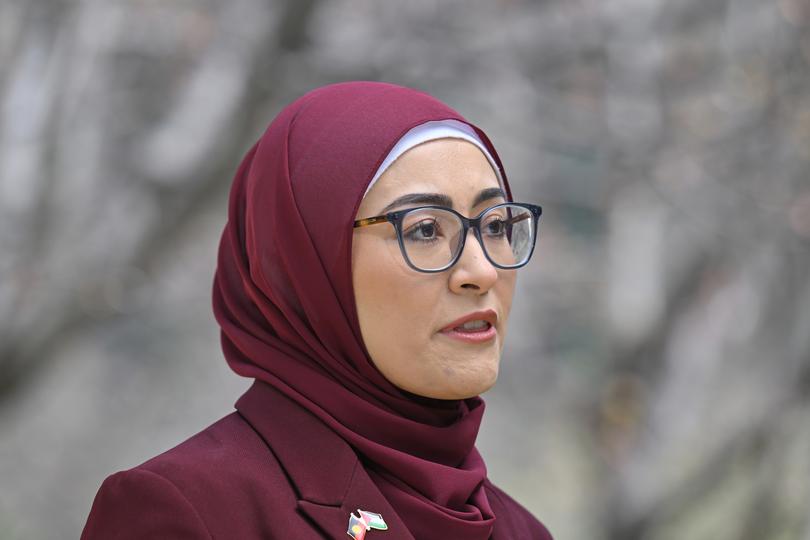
{"points": [[472, 271]]}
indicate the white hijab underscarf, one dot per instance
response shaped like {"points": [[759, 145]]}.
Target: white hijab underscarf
{"points": [[434, 129]]}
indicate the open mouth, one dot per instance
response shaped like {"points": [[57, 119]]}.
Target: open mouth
{"points": [[472, 332], [473, 326]]}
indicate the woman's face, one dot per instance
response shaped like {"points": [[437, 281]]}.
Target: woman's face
{"points": [[402, 312]]}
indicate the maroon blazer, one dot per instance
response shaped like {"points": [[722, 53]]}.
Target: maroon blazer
{"points": [[269, 470]]}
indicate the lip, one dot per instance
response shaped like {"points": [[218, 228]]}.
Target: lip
{"points": [[488, 315], [473, 337]]}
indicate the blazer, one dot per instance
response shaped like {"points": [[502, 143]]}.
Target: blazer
{"points": [[257, 474]]}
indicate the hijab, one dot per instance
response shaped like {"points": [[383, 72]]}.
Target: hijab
{"points": [[284, 300]]}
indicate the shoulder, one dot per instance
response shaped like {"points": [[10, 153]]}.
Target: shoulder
{"points": [[140, 504], [512, 514], [228, 447], [221, 475], [225, 455]]}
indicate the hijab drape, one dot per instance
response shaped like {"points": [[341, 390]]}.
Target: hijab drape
{"points": [[284, 300]]}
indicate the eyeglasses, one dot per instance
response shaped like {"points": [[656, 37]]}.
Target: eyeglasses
{"points": [[432, 238]]}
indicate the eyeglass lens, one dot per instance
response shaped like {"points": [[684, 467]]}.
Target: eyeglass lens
{"points": [[431, 237]]}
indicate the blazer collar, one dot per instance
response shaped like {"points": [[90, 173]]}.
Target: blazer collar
{"points": [[330, 480]]}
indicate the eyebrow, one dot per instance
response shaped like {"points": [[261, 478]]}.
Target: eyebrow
{"points": [[442, 200]]}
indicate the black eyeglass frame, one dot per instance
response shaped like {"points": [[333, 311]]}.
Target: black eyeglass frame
{"points": [[396, 218]]}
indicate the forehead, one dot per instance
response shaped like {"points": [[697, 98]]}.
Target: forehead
{"points": [[453, 167]]}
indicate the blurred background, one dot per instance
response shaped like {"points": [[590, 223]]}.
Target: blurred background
{"points": [[656, 379]]}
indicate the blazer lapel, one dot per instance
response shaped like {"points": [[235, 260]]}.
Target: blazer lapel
{"points": [[361, 495], [329, 478]]}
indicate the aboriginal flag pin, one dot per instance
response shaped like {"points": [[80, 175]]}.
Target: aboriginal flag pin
{"points": [[359, 526]]}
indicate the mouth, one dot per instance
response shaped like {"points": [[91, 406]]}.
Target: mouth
{"points": [[476, 327], [472, 336]]}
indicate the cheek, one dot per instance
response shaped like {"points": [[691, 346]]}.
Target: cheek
{"points": [[505, 288], [504, 291], [394, 305]]}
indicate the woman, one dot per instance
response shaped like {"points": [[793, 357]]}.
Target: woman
{"points": [[350, 287]]}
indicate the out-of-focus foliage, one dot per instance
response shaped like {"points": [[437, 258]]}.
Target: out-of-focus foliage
{"points": [[656, 378]]}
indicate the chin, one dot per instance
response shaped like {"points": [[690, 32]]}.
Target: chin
{"points": [[485, 385], [483, 381]]}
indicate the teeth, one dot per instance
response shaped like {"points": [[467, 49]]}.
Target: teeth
{"points": [[473, 325]]}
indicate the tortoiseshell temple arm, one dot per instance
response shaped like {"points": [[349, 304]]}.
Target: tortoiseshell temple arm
{"points": [[370, 221], [521, 217]]}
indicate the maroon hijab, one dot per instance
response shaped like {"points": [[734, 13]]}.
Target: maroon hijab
{"points": [[284, 300]]}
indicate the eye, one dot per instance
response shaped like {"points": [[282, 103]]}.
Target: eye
{"points": [[426, 230], [495, 227]]}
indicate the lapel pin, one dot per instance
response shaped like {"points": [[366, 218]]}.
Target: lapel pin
{"points": [[358, 526]]}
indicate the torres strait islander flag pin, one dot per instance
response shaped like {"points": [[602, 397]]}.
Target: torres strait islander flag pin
{"points": [[358, 526]]}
